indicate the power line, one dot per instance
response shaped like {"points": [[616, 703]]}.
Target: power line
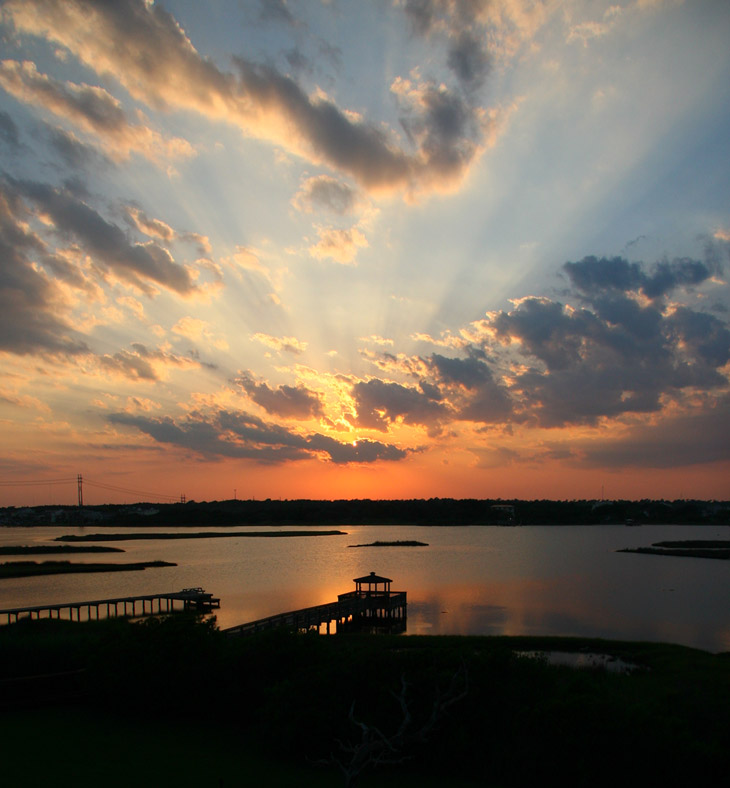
{"points": [[78, 480], [29, 483], [115, 488]]}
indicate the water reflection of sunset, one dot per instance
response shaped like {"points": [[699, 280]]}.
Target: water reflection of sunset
{"points": [[463, 609], [469, 580]]}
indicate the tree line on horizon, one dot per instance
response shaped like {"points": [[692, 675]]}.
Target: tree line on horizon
{"points": [[427, 512]]}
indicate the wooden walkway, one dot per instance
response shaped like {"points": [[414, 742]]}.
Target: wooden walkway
{"points": [[352, 611], [151, 604]]}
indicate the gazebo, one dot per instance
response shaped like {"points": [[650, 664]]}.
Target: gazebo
{"points": [[370, 585]]}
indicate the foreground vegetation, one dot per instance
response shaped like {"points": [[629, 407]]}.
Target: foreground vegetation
{"points": [[451, 710]]}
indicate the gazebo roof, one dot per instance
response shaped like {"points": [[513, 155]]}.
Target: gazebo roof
{"points": [[372, 578]]}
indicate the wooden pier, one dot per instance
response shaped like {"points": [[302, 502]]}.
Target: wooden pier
{"points": [[150, 604], [368, 608]]}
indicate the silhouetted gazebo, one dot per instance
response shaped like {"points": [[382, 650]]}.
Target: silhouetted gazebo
{"points": [[370, 585]]}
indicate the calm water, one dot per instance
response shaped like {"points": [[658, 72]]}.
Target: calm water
{"points": [[559, 580]]}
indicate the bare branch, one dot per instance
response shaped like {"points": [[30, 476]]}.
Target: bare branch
{"points": [[375, 748]]}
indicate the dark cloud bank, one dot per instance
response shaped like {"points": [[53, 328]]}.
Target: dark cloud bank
{"points": [[623, 350], [289, 402], [243, 436]]}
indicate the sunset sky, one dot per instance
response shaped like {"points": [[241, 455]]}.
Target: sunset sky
{"points": [[346, 249]]}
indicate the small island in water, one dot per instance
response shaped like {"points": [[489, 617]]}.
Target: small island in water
{"points": [[689, 548], [33, 568], [45, 549], [400, 543], [191, 535]]}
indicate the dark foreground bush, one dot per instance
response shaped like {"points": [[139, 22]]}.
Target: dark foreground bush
{"points": [[464, 709]]}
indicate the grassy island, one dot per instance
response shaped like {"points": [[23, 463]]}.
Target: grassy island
{"points": [[50, 549], [194, 535], [401, 543], [688, 548], [33, 568]]}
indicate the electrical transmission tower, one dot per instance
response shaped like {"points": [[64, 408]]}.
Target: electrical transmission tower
{"points": [[80, 482]]}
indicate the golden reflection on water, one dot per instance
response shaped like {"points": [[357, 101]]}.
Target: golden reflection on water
{"points": [[528, 580], [462, 609]]}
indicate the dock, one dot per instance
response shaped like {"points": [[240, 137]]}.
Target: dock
{"points": [[150, 604], [370, 608]]}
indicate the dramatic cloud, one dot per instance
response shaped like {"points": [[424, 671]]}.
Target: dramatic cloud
{"points": [[364, 451], [702, 338], [620, 356], [32, 307], [474, 393], [596, 275], [144, 47], [243, 436], [449, 389], [76, 154], [323, 131], [476, 30], [547, 331], [92, 109], [154, 228], [141, 265], [549, 364], [468, 59], [141, 363], [289, 402], [380, 404], [444, 126]]}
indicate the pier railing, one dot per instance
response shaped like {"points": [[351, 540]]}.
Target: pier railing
{"points": [[354, 610], [150, 604]]}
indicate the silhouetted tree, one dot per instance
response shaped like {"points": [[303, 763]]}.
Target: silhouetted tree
{"points": [[375, 748]]}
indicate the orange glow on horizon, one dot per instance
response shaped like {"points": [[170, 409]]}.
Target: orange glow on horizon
{"points": [[420, 477]]}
